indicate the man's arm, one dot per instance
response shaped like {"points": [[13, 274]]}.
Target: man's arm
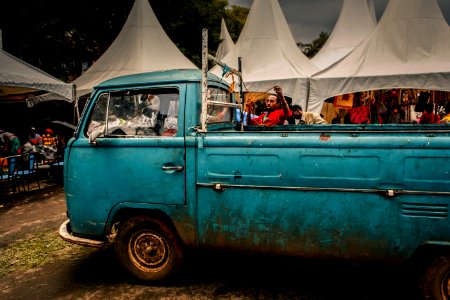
{"points": [[284, 104]]}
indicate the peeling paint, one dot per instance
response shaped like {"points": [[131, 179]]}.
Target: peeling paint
{"points": [[325, 137]]}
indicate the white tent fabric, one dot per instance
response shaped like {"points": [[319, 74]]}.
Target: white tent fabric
{"points": [[141, 46], [32, 100], [269, 53], [409, 48], [226, 42], [356, 21], [18, 77]]}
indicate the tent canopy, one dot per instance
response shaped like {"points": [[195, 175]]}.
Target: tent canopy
{"points": [[409, 48], [226, 43], [18, 78], [356, 21], [141, 46], [269, 53]]}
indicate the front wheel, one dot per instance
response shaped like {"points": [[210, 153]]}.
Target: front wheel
{"points": [[149, 249], [435, 279]]}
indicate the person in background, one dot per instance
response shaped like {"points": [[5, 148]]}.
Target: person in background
{"points": [[149, 106], [34, 138], [277, 110], [9, 142], [336, 120], [149, 110], [290, 120], [428, 115], [446, 118], [48, 139], [49, 147], [306, 117], [26, 149], [60, 143], [397, 115]]}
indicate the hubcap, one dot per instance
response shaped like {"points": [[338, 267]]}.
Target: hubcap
{"points": [[148, 251], [445, 287]]}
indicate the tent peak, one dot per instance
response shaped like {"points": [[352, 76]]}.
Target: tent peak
{"points": [[141, 46]]}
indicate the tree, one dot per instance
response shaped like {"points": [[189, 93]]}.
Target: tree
{"points": [[314, 47], [59, 39], [184, 21], [235, 18]]}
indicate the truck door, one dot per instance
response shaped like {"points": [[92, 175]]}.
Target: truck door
{"points": [[132, 150]]}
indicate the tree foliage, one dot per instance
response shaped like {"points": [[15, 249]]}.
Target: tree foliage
{"points": [[311, 49], [59, 36], [235, 17]]}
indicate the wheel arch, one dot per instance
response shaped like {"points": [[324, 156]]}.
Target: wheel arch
{"points": [[126, 213], [429, 250], [429, 268]]}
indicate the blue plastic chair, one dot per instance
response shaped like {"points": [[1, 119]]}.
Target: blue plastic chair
{"points": [[8, 179], [27, 174]]}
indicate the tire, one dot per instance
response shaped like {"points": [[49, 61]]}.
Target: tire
{"points": [[148, 249], [435, 279]]}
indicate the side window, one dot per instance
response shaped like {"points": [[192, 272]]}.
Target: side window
{"points": [[136, 113], [218, 113]]}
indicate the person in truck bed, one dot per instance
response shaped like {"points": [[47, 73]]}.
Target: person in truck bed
{"points": [[306, 117], [277, 110]]}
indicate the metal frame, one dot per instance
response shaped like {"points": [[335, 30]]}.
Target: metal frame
{"points": [[205, 58]]}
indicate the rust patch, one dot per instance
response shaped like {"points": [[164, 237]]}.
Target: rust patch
{"points": [[325, 137]]}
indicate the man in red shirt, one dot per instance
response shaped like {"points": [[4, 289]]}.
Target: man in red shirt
{"points": [[428, 116], [277, 110]]}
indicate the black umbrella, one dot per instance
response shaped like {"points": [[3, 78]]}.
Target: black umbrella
{"points": [[68, 125]]}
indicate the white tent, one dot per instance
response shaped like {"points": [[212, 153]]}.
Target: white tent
{"points": [[269, 53], [409, 48], [356, 21], [20, 78], [226, 42], [141, 46]]}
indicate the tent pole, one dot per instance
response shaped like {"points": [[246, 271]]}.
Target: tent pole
{"points": [[241, 92], [307, 93], [76, 109]]}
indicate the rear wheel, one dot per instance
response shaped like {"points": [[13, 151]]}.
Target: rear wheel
{"points": [[435, 279], [149, 249]]}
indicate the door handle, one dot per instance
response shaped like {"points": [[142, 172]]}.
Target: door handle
{"points": [[391, 193], [172, 168]]}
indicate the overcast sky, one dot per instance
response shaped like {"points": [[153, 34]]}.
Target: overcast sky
{"points": [[307, 18]]}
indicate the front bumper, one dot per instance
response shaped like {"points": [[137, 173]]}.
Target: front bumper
{"points": [[65, 233]]}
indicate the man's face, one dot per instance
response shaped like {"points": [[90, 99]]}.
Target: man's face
{"points": [[271, 102], [297, 114]]}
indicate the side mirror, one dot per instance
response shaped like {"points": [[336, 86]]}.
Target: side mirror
{"points": [[95, 134]]}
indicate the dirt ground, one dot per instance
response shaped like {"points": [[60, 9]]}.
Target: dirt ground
{"points": [[89, 273]]}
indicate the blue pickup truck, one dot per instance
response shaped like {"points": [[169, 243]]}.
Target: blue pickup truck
{"points": [[143, 173]]}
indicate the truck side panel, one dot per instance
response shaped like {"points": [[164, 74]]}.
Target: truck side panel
{"points": [[366, 195]]}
